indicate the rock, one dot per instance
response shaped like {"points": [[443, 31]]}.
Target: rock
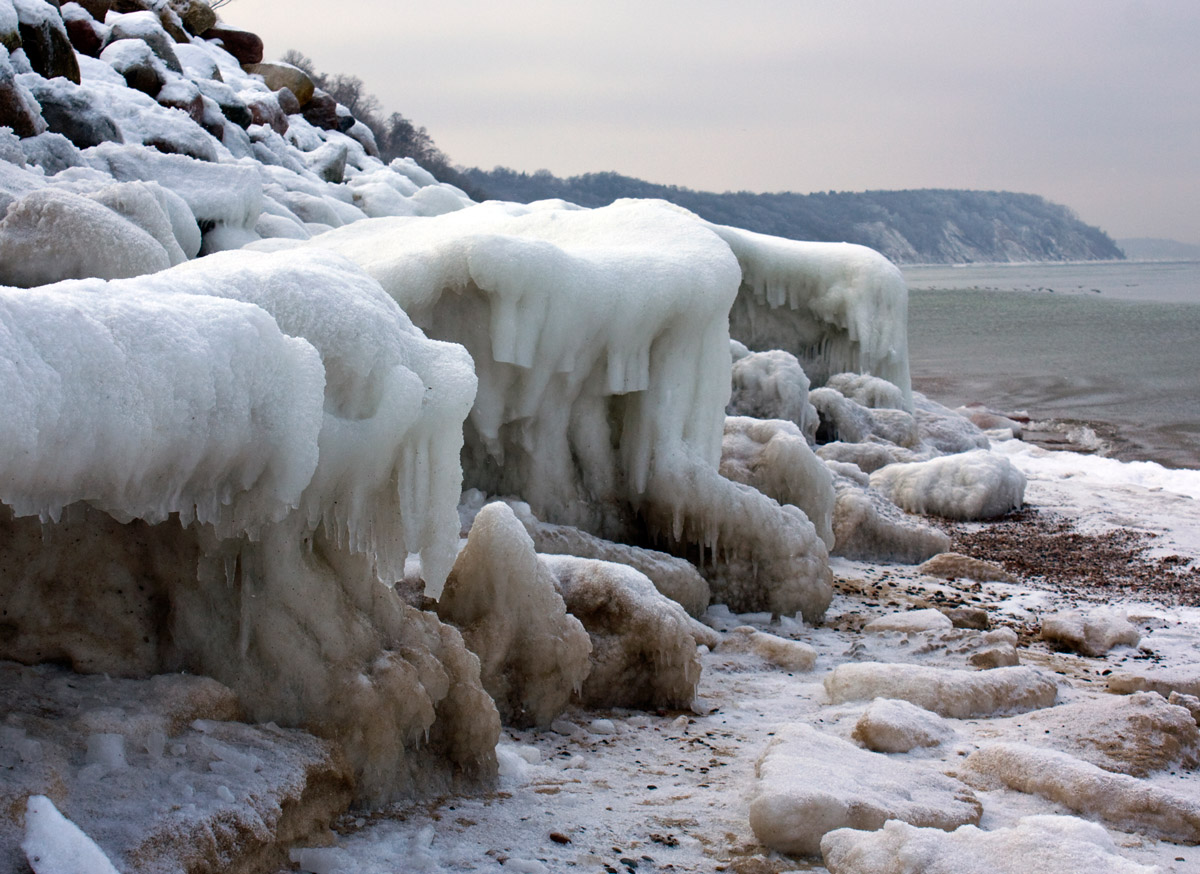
{"points": [[999, 651], [321, 111], [910, 622], [772, 385], [1093, 633], [196, 15], [989, 420], [329, 162], [891, 726], [1062, 844], [968, 617], [945, 691], [945, 430], [86, 36], [264, 109], [69, 112], [45, 41], [52, 152], [1190, 703], [245, 46], [868, 456], [288, 101], [182, 94], [18, 106], [172, 24], [232, 106], [136, 61], [146, 27], [1124, 802], [956, 566], [279, 75], [809, 783], [98, 9], [1183, 679]]}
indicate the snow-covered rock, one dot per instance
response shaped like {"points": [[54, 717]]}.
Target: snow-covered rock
{"points": [[791, 655], [772, 385], [1183, 679]]}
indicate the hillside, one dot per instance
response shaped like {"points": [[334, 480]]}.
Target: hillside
{"points": [[911, 227]]}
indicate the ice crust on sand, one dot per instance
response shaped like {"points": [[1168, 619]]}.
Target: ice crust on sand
{"points": [[946, 691], [1062, 844], [892, 726], [533, 655], [970, 485], [1091, 632], [809, 783], [1119, 800]]}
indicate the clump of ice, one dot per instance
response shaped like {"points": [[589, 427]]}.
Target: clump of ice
{"points": [[1184, 679], [970, 485], [892, 726], [791, 655], [772, 385], [955, 566], [870, 391], [532, 654], [1125, 802], [910, 622], [868, 526], [1092, 632], [1062, 844], [945, 691], [809, 783], [55, 845]]}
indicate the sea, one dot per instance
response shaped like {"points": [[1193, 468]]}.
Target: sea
{"points": [[1113, 346]]}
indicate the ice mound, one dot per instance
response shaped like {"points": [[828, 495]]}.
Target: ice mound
{"points": [[945, 430], [1119, 800], [643, 648], [55, 845], [791, 655], [772, 456], [868, 457], [810, 783], [910, 622], [971, 485], [532, 654], [1135, 734], [945, 691], [1182, 679], [868, 526], [772, 385], [891, 726], [599, 337], [1062, 844], [955, 566], [1092, 633], [870, 391], [836, 306]]}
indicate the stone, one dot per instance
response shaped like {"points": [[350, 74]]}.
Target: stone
{"points": [[1184, 679], [46, 44], [288, 101], [946, 691], [910, 622], [72, 114], [245, 46], [98, 9], [975, 618], [136, 61], [264, 109], [86, 36], [18, 109], [321, 110], [146, 27], [956, 566], [232, 106], [891, 726], [196, 15], [280, 75]]}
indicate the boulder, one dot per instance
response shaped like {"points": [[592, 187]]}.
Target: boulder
{"points": [[196, 15], [18, 108], [956, 566], [945, 691], [264, 109], [322, 111], [968, 486], [136, 61], [86, 35], [45, 41], [245, 46], [98, 9], [232, 106], [146, 27], [280, 75], [1092, 633], [69, 112], [891, 726]]}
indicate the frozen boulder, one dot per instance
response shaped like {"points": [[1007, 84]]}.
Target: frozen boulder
{"points": [[772, 385], [643, 649], [945, 430], [868, 457], [1121, 801], [892, 726], [277, 75], [74, 112], [772, 456], [987, 419], [1092, 633], [1062, 844], [55, 845], [955, 566], [146, 27], [791, 655], [140, 66], [1190, 703], [971, 485], [868, 390], [868, 526], [946, 691], [841, 419], [52, 234], [810, 783], [532, 654], [910, 622], [1182, 679], [19, 108], [45, 41]]}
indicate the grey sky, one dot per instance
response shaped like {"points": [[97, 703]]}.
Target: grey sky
{"points": [[1092, 103]]}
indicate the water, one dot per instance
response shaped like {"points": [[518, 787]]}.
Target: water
{"points": [[1116, 344]]}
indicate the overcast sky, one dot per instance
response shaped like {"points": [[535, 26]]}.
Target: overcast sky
{"points": [[1091, 103]]}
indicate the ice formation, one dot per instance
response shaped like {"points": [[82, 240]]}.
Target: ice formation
{"points": [[1123, 801], [791, 655], [891, 726], [1183, 679], [643, 644], [910, 622], [945, 691], [772, 385], [967, 486], [810, 783], [1092, 632], [533, 655], [956, 566], [55, 845], [866, 525], [1062, 844], [837, 307]]}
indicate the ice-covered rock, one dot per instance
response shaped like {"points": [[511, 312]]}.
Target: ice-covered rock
{"points": [[810, 783], [910, 622], [868, 457], [1184, 679], [772, 385], [955, 566], [870, 391], [643, 648], [970, 485], [892, 726], [943, 429], [55, 845], [945, 691], [1092, 632], [532, 654], [791, 655], [868, 526], [999, 649], [771, 455], [1122, 801], [1062, 844]]}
